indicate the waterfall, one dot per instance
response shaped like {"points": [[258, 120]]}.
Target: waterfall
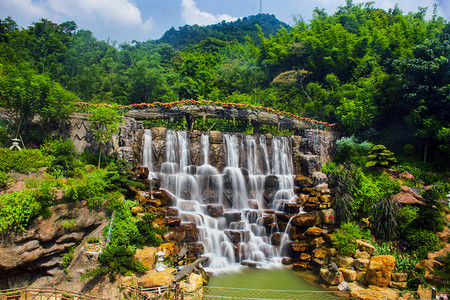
{"points": [[234, 210]]}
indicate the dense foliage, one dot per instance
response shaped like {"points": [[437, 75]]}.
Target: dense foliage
{"points": [[367, 69]]}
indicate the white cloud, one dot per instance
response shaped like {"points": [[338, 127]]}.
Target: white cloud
{"points": [[106, 18], [192, 15]]}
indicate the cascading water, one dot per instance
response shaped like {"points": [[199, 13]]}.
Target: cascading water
{"points": [[244, 197]]}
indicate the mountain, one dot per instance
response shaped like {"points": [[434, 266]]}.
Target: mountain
{"points": [[226, 31]]}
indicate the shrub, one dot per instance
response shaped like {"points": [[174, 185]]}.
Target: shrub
{"points": [[343, 184], [380, 156], [118, 177], [62, 156], [422, 241], [443, 271], [148, 234], [407, 217], [5, 180], [17, 210], [383, 219], [429, 216], [346, 236], [348, 149], [408, 149], [93, 240], [68, 257], [91, 188], [27, 160]]}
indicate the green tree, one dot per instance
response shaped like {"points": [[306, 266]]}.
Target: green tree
{"points": [[105, 123]]}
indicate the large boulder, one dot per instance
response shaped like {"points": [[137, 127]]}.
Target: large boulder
{"points": [[154, 278], [331, 278], [194, 282], [380, 270], [146, 256], [305, 220]]}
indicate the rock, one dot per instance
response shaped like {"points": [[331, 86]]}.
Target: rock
{"points": [[266, 220], [303, 181], [406, 176], [300, 266], [299, 247], [29, 246], [400, 277], [331, 278], [349, 275], [305, 257], [304, 219], [154, 278], [398, 285], [169, 249], [313, 200], [317, 242], [136, 210], [361, 277], [191, 232], [310, 164], [142, 172], [232, 216], [380, 270], [329, 216], [325, 199], [320, 256], [196, 248], [361, 264], [194, 282], [71, 237], [146, 256], [251, 264], [301, 199], [344, 261], [215, 137], [16, 187], [314, 231], [319, 178], [359, 292], [214, 210], [275, 238], [253, 204], [292, 208], [366, 246], [172, 222], [166, 198], [361, 254], [286, 261]]}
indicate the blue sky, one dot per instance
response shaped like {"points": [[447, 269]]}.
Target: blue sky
{"points": [[127, 20]]}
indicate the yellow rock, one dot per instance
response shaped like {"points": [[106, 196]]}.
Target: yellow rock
{"points": [[380, 270], [146, 256], [193, 283], [169, 248], [154, 278]]}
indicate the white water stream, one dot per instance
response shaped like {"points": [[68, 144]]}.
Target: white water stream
{"points": [[248, 166]]}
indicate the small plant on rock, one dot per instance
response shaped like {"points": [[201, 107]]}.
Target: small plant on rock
{"points": [[346, 236]]}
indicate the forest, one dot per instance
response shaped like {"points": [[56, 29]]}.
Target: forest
{"points": [[381, 75]]}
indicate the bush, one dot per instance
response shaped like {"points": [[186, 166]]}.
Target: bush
{"points": [[5, 180], [443, 271], [348, 149], [346, 236], [27, 160], [407, 217], [92, 187], [408, 149], [422, 241], [383, 219], [429, 216], [343, 184], [62, 156], [380, 156]]}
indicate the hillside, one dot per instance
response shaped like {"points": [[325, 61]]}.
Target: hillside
{"points": [[225, 31]]}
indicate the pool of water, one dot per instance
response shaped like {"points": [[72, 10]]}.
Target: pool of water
{"points": [[266, 284]]}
